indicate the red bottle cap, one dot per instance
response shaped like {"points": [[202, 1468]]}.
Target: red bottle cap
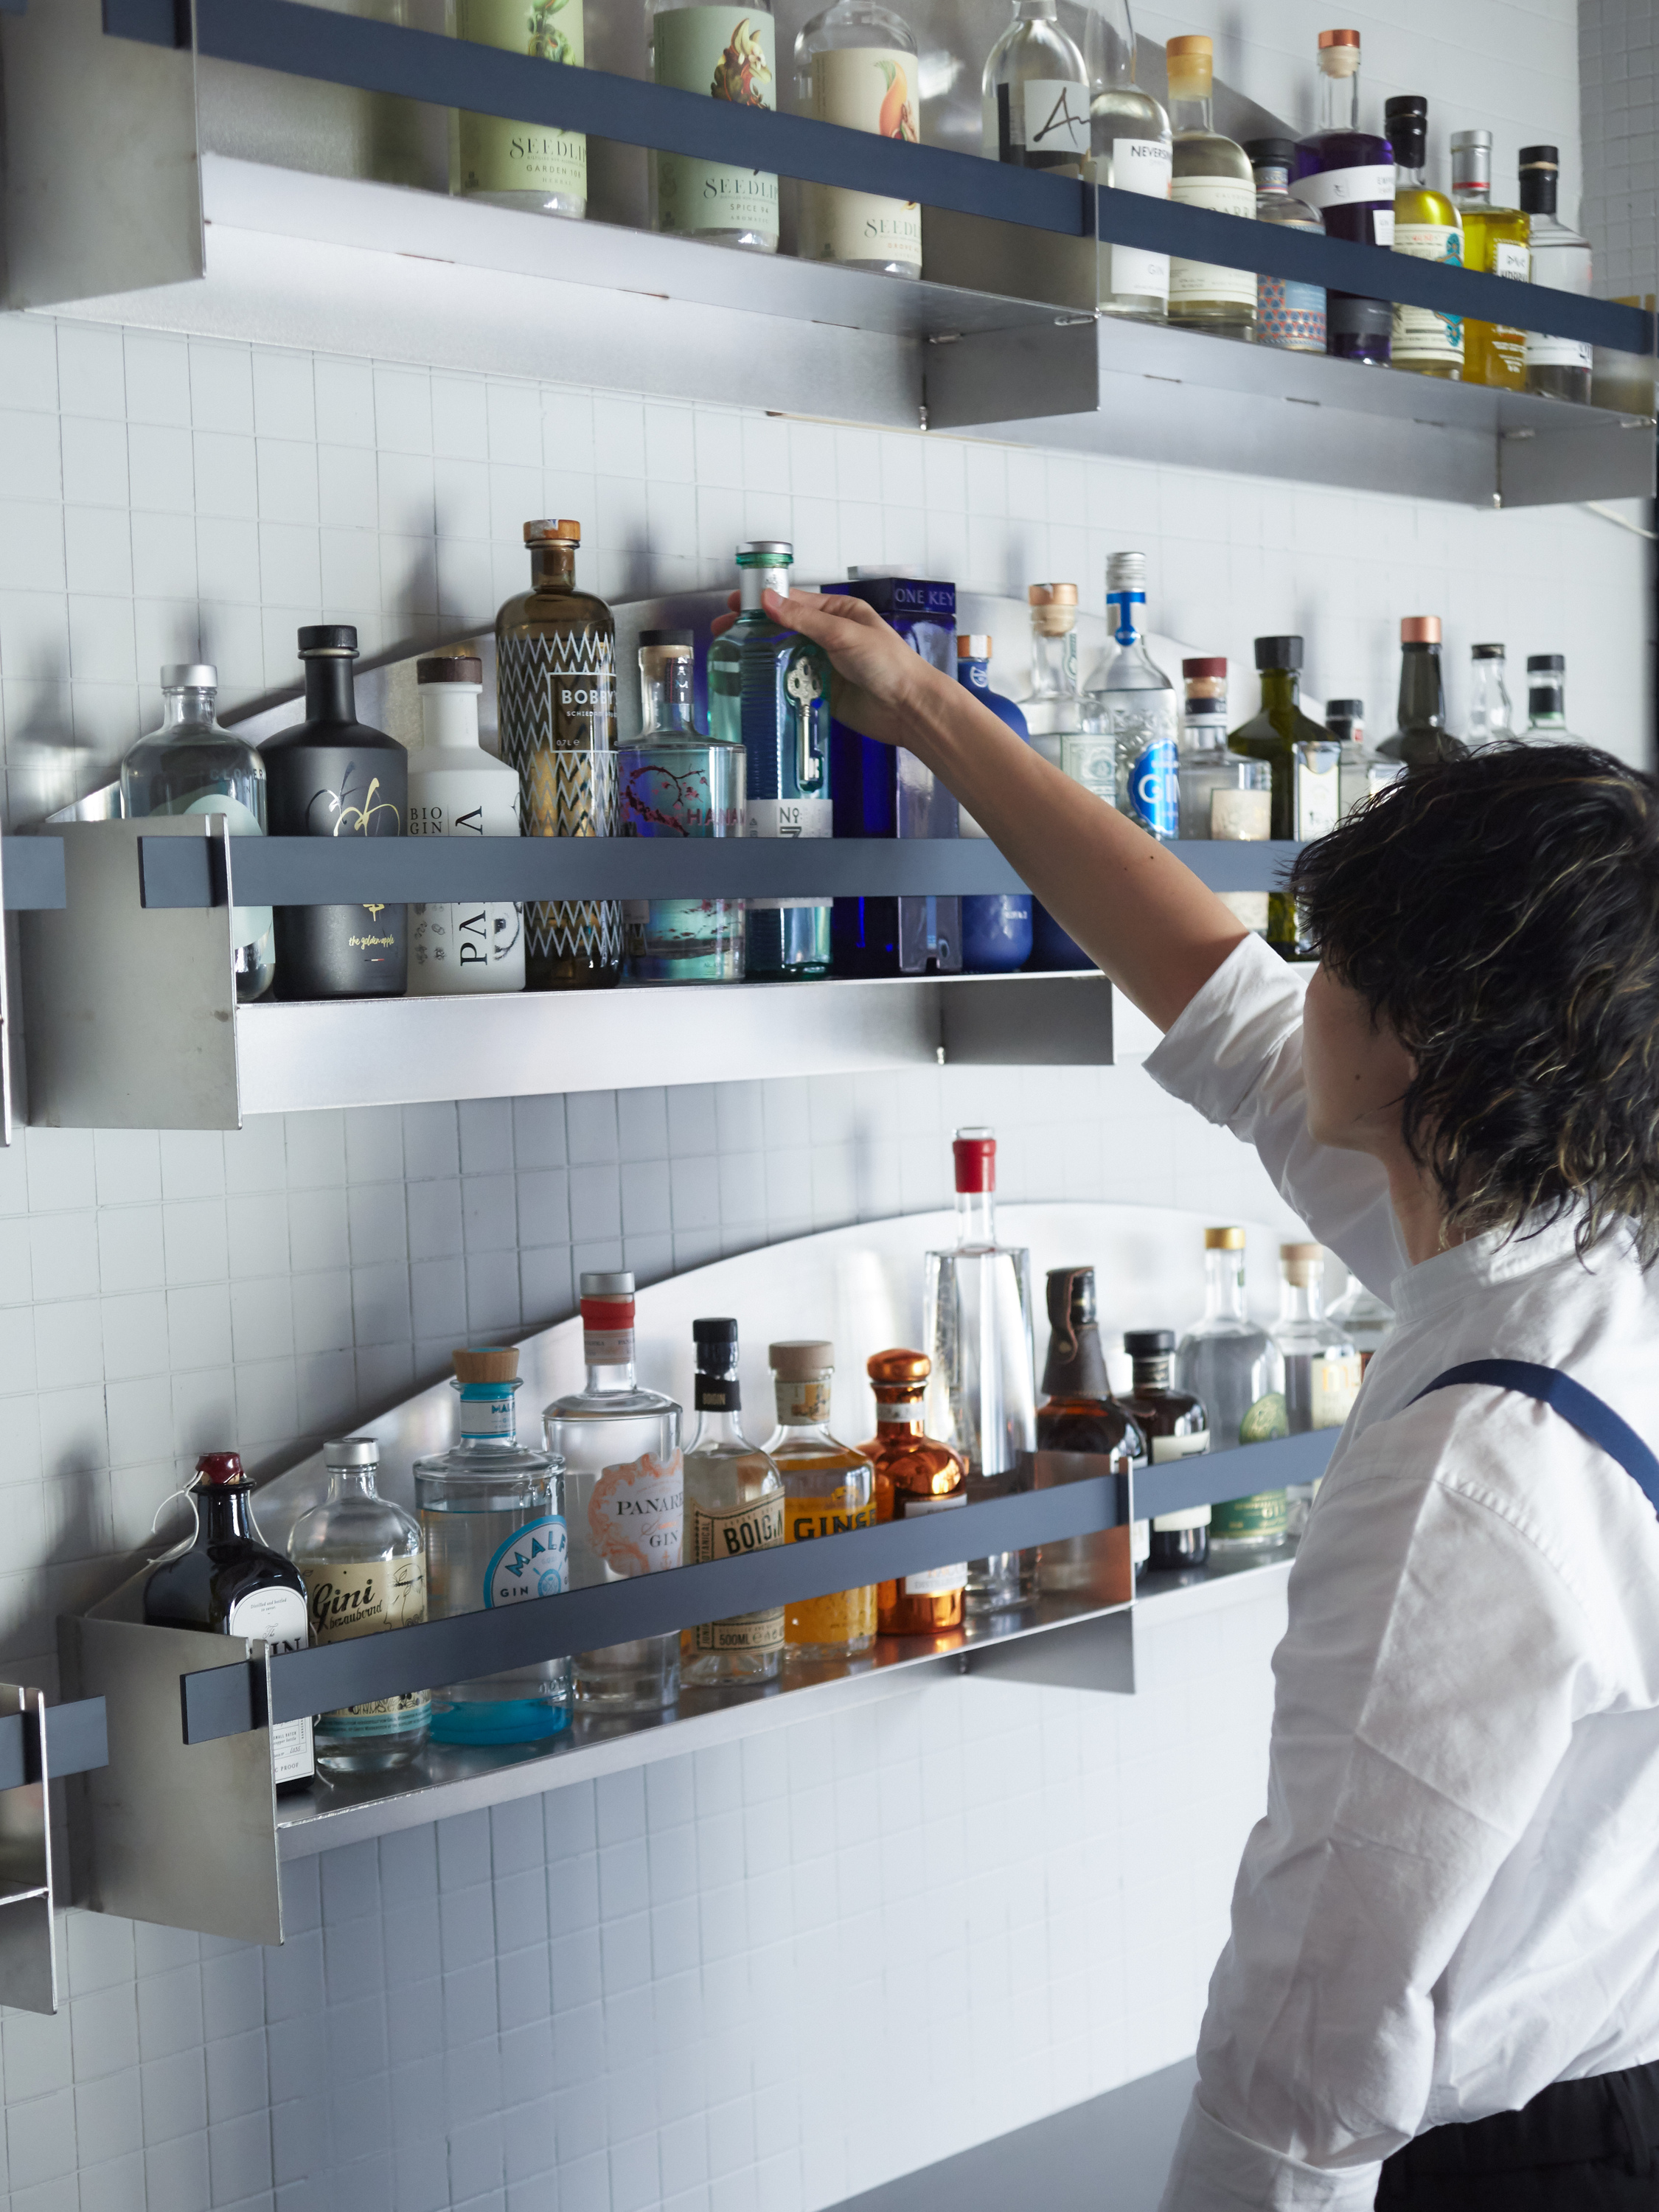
{"points": [[975, 1157], [220, 1467]]}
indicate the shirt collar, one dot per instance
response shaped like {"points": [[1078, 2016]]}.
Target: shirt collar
{"points": [[1495, 1257]]}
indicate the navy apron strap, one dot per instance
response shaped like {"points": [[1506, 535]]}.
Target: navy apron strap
{"points": [[1590, 1415]]}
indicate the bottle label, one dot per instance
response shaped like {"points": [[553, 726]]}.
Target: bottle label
{"points": [[360, 1598], [800, 1404], [248, 924], [863, 88], [1267, 1418], [932, 1581], [1545, 351], [732, 1533], [556, 695], [1241, 818], [1335, 1384], [788, 818], [1042, 124], [1510, 258], [534, 1562], [608, 1347], [1091, 761], [635, 1514], [1423, 335], [1372, 185], [1145, 165], [1317, 805], [807, 1517], [1165, 1448], [277, 1616], [497, 157], [730, 55], [1193, 283], [1154, 794], [1290, 316], [1264, 1519]]}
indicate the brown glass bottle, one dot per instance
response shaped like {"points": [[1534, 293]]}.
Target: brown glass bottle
{"points": [[1175, 1425], [915, 1475], [556, 673], [1080, 1414]]}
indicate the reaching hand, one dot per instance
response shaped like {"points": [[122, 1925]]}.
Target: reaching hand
{"points": [[877, 678]]}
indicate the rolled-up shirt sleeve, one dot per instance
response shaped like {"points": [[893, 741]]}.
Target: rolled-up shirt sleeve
{"points": [[1415, 1735]]}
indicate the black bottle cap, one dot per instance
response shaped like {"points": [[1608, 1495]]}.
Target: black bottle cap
{"points": [[1070, 1297], [1406, 122], [1488, 652], [1272, 153], [1541, 157], [1547, 664], [1405, 103], [720, 1330], [1345, 710], [328, 637], [1148, 1343], [1278, 652], [668, 637]]}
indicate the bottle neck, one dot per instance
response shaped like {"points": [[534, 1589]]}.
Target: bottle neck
{"points": [[1339, 99], [718, 1425], [1422, 689], [224, 1512], [449, 716], [1112, 29], [1537, 193], [488, 1414], [191, 709], [1054, 661], [976, 1218], [1546, 706], [330, 692], [1121, 613], [756, 579], [1410, 176], [1076, 1366], [665, 694], [902, 1411], [1191, 112], [1223, 1284], [552, 568], [802, 1405], [1281, 690], [608, 1343], [1489, 705], [1151, 1371], [1273, 183], [1301, 1301], [349, 1482], [1034, 11]]}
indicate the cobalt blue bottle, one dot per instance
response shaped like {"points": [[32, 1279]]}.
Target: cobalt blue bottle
{"points": [[996, 930]]}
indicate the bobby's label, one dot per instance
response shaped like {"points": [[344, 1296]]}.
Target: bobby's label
{"points": [[729, 54], [347, 1600], [277, 1616], [635, 1515], [497, 157], [863, 88]]}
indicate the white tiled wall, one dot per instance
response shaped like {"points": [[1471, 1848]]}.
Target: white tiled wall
{"points": [[1619, 97]]}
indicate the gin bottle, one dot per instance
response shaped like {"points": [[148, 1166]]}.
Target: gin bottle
{"points": [[531, 165], [855, 64], [1491, 716], [828, 1488], [1348, 175], [1053, 718], [734, 1505], [1321, 1364], [1421, 735], [1237, 1372], [996, 927], [727, 55], [1289, 316], [1546, 701], [191, 766], [364, 1568], [1559, 367], [1034, 96], [1129, 133], [1427, 226], [1222, 795], [1362, 770], [1303, 759], [769, 691], [1080, 1413], [1495, 242], [1210, 172], [456, 789], [333, 776], [915, 1476], [492, 1518], [1175, 1426], [621, 1445], [1131, 702], [1364, 1320], [555, 669], [976, 1318]]}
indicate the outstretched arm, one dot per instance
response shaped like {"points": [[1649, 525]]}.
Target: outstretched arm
{"points": [[1157, 931]]}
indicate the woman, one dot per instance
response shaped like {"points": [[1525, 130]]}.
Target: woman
{"points": [[1442, 1987]]}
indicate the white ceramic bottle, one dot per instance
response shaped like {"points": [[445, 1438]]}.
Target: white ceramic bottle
{"points": [[456, 789]]}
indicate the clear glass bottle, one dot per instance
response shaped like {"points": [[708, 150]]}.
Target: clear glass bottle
{"points": [[1034, 96], [672, 783], [828, 1488], [493, 1521], [1054, 717], [734, 1505], [1303, 757], [1364, 1320], [1495, 241], [996, 927], [1490, 716], [1361, 771], [729, 54], [1080, 1413], [855, 64], [1175, 1426], [555, 677], [976, 1318], [621, 1447], [1237, 1372], [1289, 316], [769, 691], [1428, 227], [530, 165], [915, 1474], [456, 789], [192, 766], [1131, 700], [1321, 1364], [1221, 794], [1346, 174], [364, 1566], [1210, 172], [1560, 368], [1132, 152], [1546, 701], [1421, 735]]}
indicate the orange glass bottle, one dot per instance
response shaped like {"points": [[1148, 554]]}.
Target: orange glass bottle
{"points": [[915, 1475]]}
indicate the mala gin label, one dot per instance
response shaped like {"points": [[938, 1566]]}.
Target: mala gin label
{"points": [[863, 88], [534, 1562], [498, 156], [730, 55]]}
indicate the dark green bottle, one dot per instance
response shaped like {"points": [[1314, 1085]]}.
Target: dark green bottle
{"points": [[1303, 755], [1422, 736]]}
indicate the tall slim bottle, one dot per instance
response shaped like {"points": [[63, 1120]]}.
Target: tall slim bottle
{"points": [[333, 776], [1322, 1367], [1428, 227], [556, 675], [1132, 152], [1347, 174], [734, 1506], [996, 927], [1491, 718], [829, 1487], [1210, 172], [1131, 702], [1304, 757], [192, 766], [915, 1476], [1080, 1413], [1034, 96], [1495, 241], [1421, 735], [621, 1447], [855, 64], [977, 1321], [729, 54], [1237, 1371], [1054, 717], [456, 789], [769, 691], [532, 166], [1558, 367]]}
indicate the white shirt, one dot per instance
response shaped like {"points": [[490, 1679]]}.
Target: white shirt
{"points": [[1453, 1899]]}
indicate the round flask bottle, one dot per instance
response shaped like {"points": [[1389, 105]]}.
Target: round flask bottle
{"points": [[915, 1476]]}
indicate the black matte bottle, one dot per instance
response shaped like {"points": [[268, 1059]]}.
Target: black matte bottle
{"points": [[333, 776]]}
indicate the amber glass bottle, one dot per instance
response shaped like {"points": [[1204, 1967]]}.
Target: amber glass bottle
{"points": [[915, 1474], [1175, 1425], [556, 673], [1080, 1414], [827, 1487]]}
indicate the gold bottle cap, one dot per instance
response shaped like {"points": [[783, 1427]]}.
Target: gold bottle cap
{"points": [[1223, 1240], [898, 1370], [1420, 630], [1329, 38], [486, 1364], [801, 1359], [552, 533]]}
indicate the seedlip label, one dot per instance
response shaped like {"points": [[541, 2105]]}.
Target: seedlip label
{"points": [[532, 1563]]}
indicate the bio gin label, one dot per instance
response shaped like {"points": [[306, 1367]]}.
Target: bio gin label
{"points": [[730, 55], [863, 88], [277, 1617], [635, 1513], [496, 156]]}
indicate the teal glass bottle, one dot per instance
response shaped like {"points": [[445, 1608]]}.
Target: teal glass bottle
{"points": [[769, 690]]}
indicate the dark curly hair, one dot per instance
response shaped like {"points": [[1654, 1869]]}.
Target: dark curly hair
{"points": [[1501, 914]]}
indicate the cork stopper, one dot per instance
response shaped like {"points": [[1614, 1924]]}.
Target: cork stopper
{"points": [[898, 1373], [1302, 1264], [1420, 630], [1053, 609], [1338, 53], [486, 1364], [553, 533], [801, 1359], [1191, 63], [1223, 1240]]}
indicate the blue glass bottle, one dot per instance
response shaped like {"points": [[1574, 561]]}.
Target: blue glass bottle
{"points": [[996, 929], [769, 691]]}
